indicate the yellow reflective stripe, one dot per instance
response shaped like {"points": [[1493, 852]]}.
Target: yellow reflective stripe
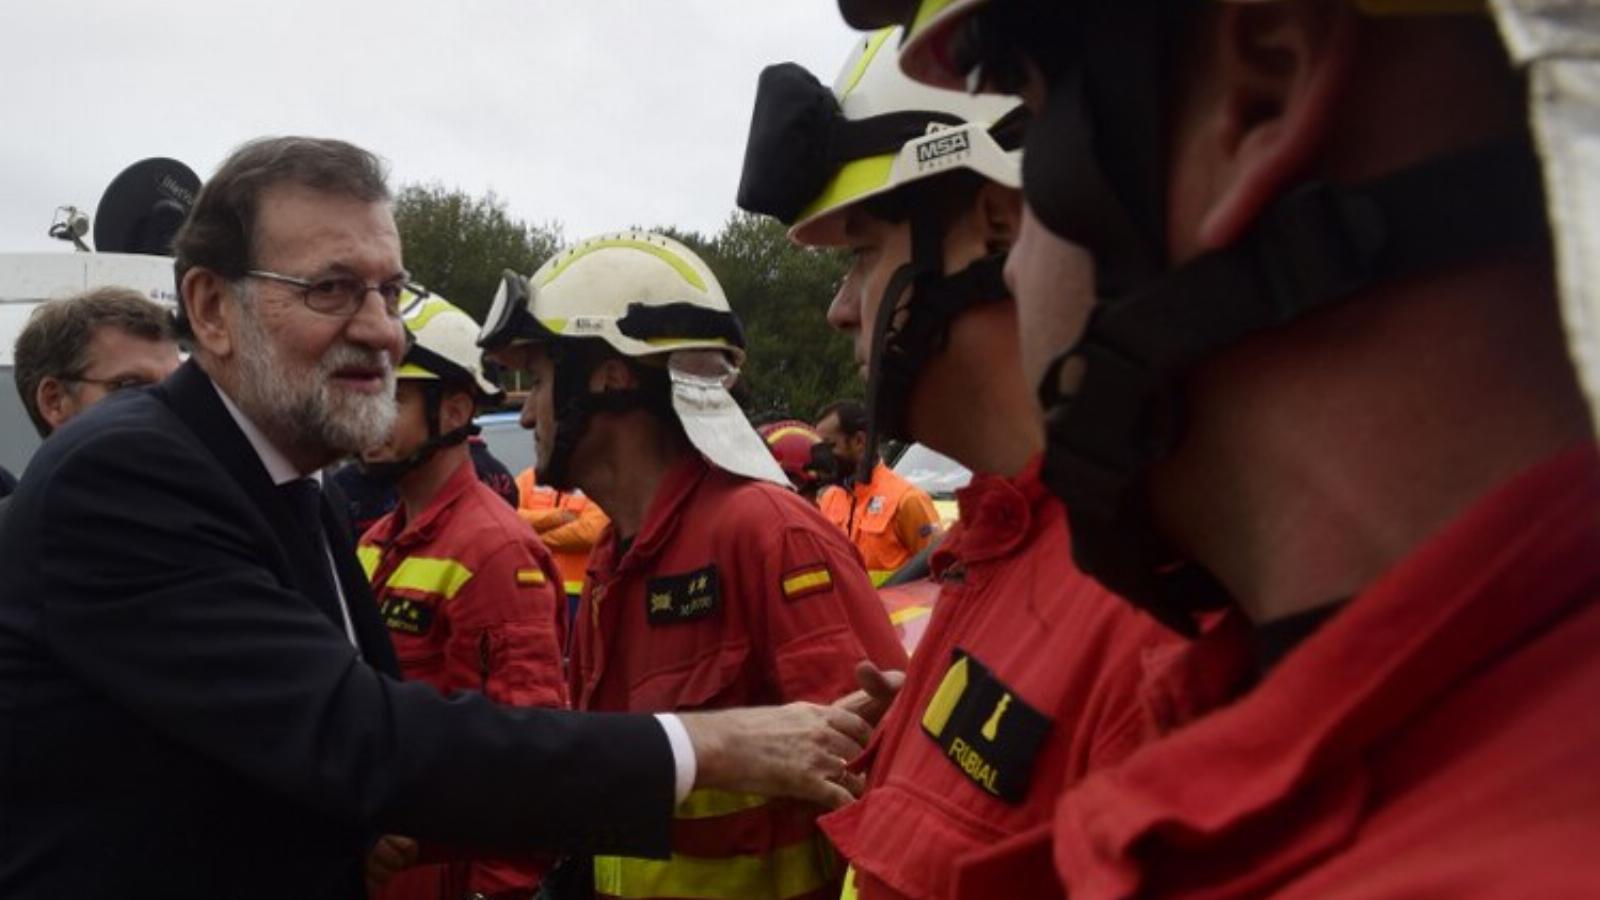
{"points": [[873, 44], [706, 803], [854, 180], [944, 700], [414, 371], [902, 616], [879, 576], [684, 270], [527, 577], [788, 430], [849, 892], [925, 13], [791, 871], [573, 587], [444, 577], [370, 556], [678, 342]]}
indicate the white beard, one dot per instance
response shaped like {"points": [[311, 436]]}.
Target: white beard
{"points": [[301, 408]]}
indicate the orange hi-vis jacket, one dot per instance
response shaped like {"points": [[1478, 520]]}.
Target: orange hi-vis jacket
{"points": [[568, 523], [889, 519], [1030, 676], [1437, 737], [734, 593], [472, 604]]}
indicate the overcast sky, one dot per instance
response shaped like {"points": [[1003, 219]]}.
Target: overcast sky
{"points": [[597, 114]]}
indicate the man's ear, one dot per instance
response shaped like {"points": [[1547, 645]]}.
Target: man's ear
{"points": [[204, 296], [54, 400], [613, 374], [999, 212], [1278, 71], [455, 410]]}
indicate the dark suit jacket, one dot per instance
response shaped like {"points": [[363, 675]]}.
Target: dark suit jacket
{"points": [[181, 716]]}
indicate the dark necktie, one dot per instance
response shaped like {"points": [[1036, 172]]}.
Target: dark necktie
{"points": [[304, 496]]}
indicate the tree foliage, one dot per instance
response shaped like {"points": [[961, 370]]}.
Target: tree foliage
{"points": [[457, 245]]}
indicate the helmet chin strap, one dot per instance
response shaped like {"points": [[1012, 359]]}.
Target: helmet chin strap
{"points": [[915, 314], [576, 406], [1114, 401], [392, 471]]}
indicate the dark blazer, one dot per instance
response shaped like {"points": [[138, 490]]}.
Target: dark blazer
{"points": [[181, 716]]}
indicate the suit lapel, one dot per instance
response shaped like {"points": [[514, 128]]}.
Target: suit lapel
{"points": [[194, 399]]}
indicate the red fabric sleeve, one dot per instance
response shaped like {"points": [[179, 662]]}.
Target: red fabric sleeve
{"points": [[505, 635]]}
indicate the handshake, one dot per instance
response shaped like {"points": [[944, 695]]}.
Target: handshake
{"points": [[800, 750]]}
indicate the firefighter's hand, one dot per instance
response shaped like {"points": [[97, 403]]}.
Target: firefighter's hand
{"points": [[388, 855], [878, 690], [799, 750]]}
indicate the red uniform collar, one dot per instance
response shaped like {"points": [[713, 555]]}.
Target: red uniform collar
{"points": [[662, 516], [998, 516], [395, 528], [1420, 629]]}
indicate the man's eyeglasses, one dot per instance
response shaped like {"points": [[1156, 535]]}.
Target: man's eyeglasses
{"points": [[113, 385], [340, 296]]}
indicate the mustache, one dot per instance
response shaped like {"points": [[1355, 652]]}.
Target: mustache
{"points": [[351, 356]]}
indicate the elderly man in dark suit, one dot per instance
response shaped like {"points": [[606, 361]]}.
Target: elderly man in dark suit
{"points": [[196, 696]]}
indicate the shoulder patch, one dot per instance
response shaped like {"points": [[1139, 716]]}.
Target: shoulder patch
{"points": [[530, 577], [407, 616], [805, 581], [984, 729], [682, 598]]}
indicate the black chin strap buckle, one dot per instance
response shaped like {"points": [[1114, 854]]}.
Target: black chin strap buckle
{"points": [[1317, 243]]}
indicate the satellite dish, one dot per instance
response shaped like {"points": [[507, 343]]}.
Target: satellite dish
{"points": [[141, 211]]}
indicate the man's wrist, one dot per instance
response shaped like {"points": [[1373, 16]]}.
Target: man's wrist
{"points": [[685, 765]]}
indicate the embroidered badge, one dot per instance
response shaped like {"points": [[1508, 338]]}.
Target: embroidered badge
{"points": [[805, 581], [984, 729], [530, 577], [406, 616], [682, 598]]}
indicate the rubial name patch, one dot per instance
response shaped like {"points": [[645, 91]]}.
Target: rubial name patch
{"points": [[984, 729], [682, 598]]}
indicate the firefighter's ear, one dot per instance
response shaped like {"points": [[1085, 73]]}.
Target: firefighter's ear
{"points": [[455, 410], [613, 374]]}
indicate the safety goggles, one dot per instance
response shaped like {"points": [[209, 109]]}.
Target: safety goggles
{"points": [[799, 137], [508, 320]]}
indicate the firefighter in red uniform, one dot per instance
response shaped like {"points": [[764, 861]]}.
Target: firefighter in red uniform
{"points": [[716, 585], [793, 444], [1326, 375], [470, 596], [888, 518], [1029, 675]]}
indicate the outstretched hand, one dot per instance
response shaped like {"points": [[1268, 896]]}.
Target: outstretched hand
{"points": [[388, 855], [799, 750], [878, 690]]}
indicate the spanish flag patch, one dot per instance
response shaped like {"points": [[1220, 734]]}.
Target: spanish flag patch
{"points": [[805, 581], [530, 577]]}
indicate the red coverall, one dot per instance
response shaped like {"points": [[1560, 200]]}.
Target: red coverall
{"points": [[734, 593], [1437, 738], [1030, 675], [471, 599]]}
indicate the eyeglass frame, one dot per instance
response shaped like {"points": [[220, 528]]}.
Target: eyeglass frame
{"points": [[110, 385], [305, 286]]}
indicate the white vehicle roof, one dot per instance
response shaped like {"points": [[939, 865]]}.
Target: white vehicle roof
{"points": [[28, 279]]}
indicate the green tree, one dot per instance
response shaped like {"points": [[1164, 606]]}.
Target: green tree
{"points": [[797, 364], [456, 244]]}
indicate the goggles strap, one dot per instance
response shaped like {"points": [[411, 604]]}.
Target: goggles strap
{"points": [[1319, 244]]}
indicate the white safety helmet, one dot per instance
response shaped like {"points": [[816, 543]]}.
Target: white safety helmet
{"points": [[813, 153], [644, 295], [444, 346]]}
